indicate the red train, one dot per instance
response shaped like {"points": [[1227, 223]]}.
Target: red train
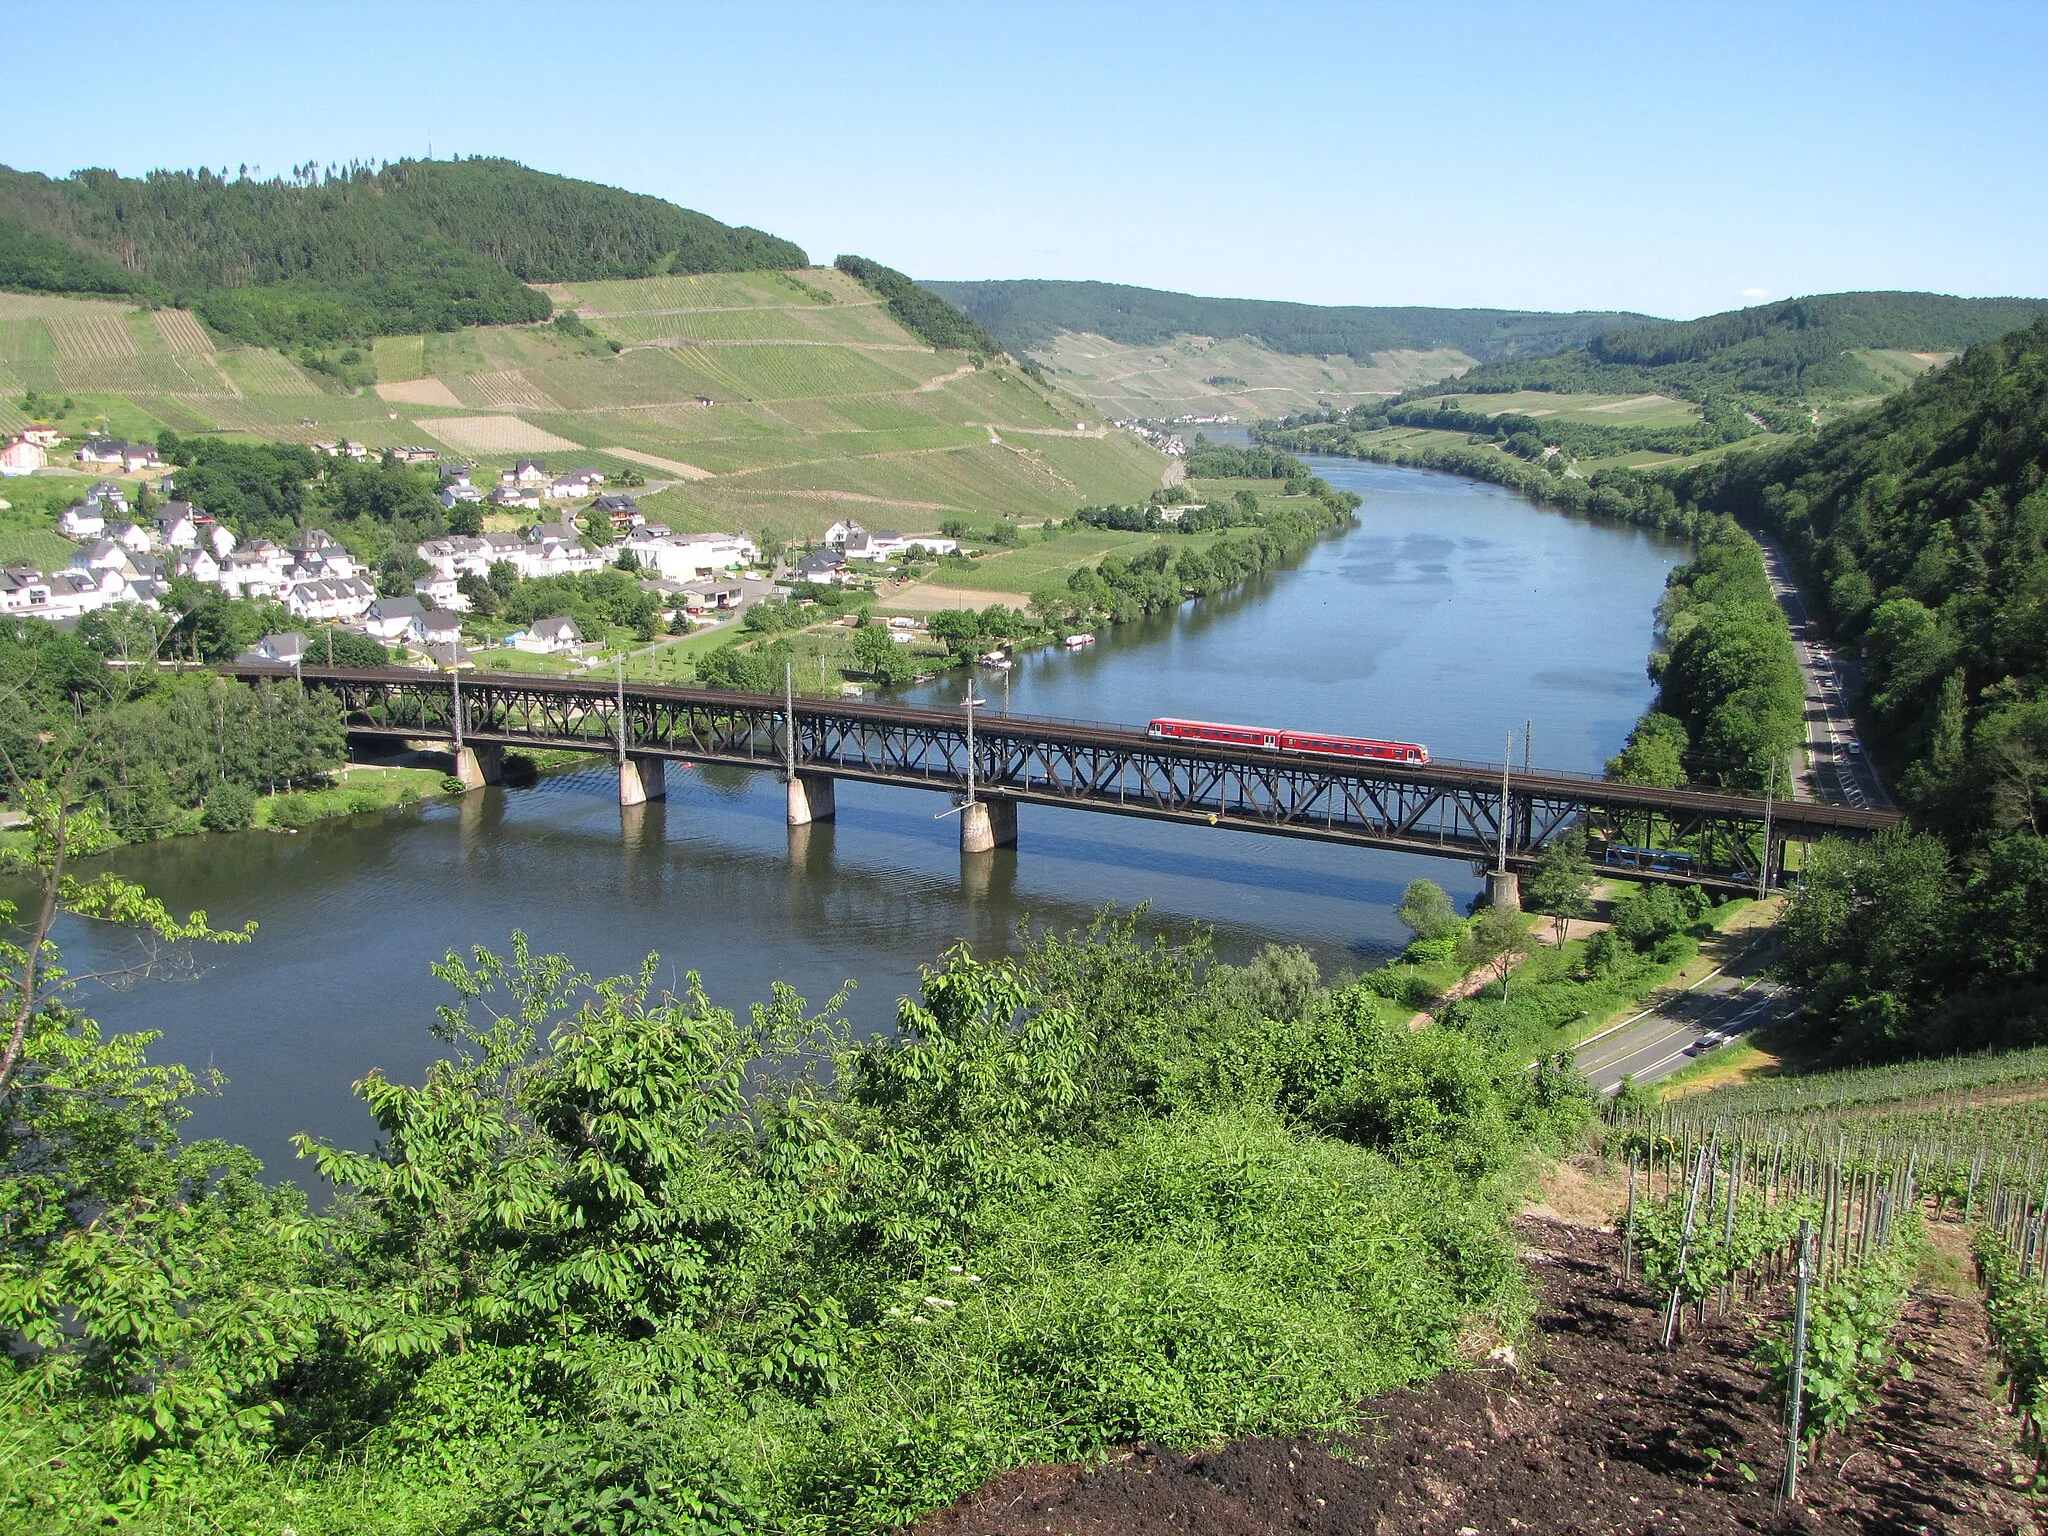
{"points": [[1271, 739]]}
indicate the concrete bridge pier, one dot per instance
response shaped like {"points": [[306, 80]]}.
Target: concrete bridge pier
{"points": [[1504, 890], [641, 780], [478, 765], [812, 798], [987, 825]]}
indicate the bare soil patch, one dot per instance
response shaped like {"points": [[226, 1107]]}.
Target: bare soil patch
{"points": [[418, 392], [494, 434], [1597, 1431], [675, 467]]}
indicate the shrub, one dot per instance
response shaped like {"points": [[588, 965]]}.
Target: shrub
{"points": [[230, 808]]}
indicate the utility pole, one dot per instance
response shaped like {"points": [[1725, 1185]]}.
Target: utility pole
{"points": [[1528, 739], [456, 679], [1507, 758], [971, 702], [622, 710], [1763, 882], [789, 722]]}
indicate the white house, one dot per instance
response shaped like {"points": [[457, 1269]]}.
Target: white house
{"points": [[136, 540], [441, 591], [84, 521], [685, 557], [42, 436], [575, 485], [526, 472], [822, 567], [78, 591], [521, 497], [455, 493], [888, 544], [22, 457], [549, 637], [108, 496], [837, 535], [341, 597], [24, 589], [394, 618], [556, 549], [102, 555], [198, 563], [440, 628], [179, 524], [457, 555], [288, 648], [132, 457], [222, 540]]}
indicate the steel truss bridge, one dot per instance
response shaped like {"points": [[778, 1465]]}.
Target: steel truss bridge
{"points": [[1445, 809]]}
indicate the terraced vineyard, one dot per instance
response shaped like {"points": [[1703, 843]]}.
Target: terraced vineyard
{"points": [[772, 402]]}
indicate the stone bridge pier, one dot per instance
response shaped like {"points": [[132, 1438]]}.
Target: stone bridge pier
{"points": [[478, 764], [641, 779], [987, 825], [812, 798]]}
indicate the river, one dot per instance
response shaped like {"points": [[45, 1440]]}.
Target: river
{"points": [[1451, 614]]}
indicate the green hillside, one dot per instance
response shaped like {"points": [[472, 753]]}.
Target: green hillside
{"points": [[1028, 315], [821, 405], [1827, 348], [1148, 353], [337, 254]]}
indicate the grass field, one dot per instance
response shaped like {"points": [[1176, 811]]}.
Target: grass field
{"points": [[786, 401], [1595, 410]]}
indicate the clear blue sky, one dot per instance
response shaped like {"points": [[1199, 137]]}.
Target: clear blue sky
{"points": [[1671, 158]]}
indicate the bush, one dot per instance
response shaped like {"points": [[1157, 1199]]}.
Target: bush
{"points": [[230, 808]]}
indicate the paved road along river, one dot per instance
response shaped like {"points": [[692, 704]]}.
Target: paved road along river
{"points": [[1452, 613]]}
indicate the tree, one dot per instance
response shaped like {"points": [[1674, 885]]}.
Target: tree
{"points": [[1563, 882], [1655, 754], [349, 649], [1426, 909], [874, 651], [1499, 940]]}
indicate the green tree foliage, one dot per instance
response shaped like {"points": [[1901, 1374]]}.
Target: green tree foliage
{"points": [[38, 261], [1731, 680], [1563, 882], [1426, 909], [1031, 313], [644, 1262], [1783, 352], [920, 311], [330, 254], [1655, 753], [596, 600]]}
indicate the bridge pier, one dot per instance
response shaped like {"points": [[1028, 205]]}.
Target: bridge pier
{"points": [[812, 798], [987, 825], [641, 780], [1504, 890], [479, 765]]}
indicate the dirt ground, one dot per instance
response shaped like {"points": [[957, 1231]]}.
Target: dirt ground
{"points": [[1596, 1431]]}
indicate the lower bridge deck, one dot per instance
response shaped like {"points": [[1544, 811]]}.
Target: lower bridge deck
{"points": [[1452, 810]]}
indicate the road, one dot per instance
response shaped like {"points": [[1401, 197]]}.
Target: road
{"points": [[1836, 768], [1722, 1005]]}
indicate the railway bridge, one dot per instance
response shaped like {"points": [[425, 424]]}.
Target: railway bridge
{"points": [[1489, 816]]}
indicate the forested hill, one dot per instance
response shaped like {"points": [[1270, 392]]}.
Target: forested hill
{"points": [[1831, 345], [1920, 528], [329, 255], [1030, 313]]}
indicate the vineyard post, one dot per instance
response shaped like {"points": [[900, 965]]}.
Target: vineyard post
{"points": [[1788, 1490], [1692, 1203], [1728, 1237], [1628, 1240]]}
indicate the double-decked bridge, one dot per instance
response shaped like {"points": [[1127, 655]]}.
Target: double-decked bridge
{"points": [[1451, 810]]}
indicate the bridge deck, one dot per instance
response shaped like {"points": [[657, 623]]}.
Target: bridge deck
{"points": [[1441, 808]]}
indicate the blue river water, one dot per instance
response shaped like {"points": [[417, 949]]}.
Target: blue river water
{"points": [[1452, 614]]}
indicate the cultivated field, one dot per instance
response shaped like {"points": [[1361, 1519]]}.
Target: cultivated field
{"points": [[1200, 375], [1596, 410], [787, 400]]}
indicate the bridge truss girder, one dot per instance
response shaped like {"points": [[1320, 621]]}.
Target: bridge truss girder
{"points": [[1330, 800]]}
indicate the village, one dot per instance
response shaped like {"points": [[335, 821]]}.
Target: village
{"points": [[130, 554]]}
